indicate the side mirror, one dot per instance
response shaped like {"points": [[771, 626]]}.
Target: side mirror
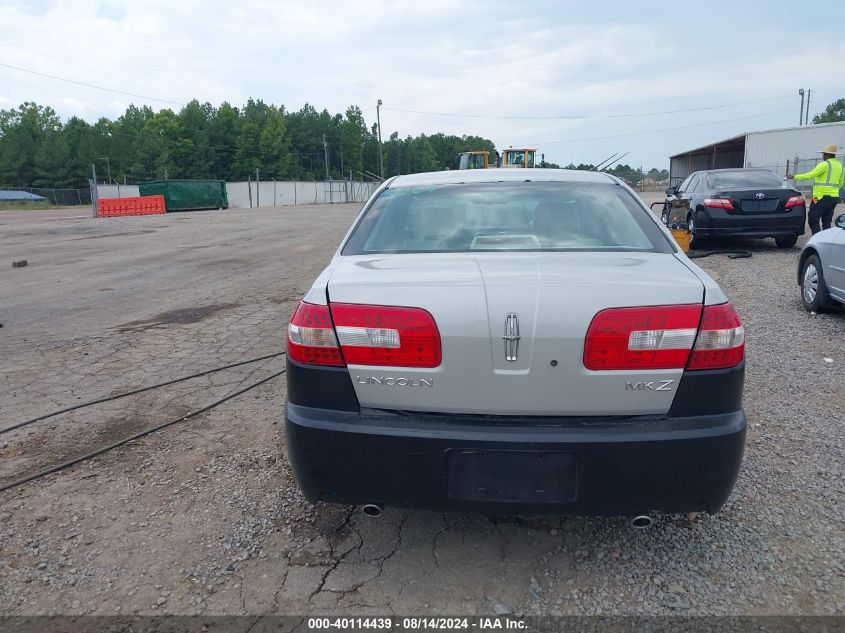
{"points": [[840, 221], [671, 191]]}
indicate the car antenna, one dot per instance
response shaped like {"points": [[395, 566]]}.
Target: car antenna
{"points": [[596, 168], [615, 160]]}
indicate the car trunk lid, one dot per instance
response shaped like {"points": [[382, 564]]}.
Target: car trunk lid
{"points": [[757, 201], [482, 301]]}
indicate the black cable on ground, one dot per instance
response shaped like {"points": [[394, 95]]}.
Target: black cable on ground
{"points": [[733, 254], [135, 391], [140, 434]]}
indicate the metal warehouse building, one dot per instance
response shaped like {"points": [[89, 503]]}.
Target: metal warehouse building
{"points": [[793, 147]]}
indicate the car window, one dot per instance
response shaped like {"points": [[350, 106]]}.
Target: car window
{"points": [[685, 183], [522, 216], [745, 179], [693, 183]]}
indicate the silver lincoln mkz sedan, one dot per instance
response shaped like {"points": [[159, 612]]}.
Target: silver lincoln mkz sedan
{"points": [[514, 341]]}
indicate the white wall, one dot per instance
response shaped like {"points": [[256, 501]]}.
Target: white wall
{"points": [[772, 148], [117, 191], [278, 194]]}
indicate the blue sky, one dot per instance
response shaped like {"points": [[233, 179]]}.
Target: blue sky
{"points": [[579, 80]]}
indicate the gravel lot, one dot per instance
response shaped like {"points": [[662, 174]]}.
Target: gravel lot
{"points": [[204, 517]]}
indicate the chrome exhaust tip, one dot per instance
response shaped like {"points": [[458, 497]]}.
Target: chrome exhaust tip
{"points": [[642, 522], [372, 510]]}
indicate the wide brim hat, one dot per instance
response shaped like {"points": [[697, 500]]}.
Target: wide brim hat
{"points": [[828, 149]]}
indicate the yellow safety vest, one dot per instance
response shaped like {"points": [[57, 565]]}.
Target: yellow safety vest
{"points": [[827, 178]]}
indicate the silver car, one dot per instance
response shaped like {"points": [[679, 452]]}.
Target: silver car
{"points": [[821, 269], [498, 340]]}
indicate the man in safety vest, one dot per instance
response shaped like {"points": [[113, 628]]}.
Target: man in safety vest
{"points": [[827, 179]]}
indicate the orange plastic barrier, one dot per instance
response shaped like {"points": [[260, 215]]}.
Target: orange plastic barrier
{"points": [[141, 205]]}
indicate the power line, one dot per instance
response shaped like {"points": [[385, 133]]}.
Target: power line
{"points": [[665, 129], [134, 86], [133, 392], [586, 116], [105, 449], [47, 90], [82, 83]]}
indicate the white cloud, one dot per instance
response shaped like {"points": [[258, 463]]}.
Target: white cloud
{"points": [[440, 55]]}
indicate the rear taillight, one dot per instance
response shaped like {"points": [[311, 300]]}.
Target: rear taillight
{"points": [[719, 203], [387, 335], [795, 201], [721, 339], [654, 337], [311, 338]]}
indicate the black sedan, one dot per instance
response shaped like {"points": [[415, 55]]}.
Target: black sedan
{"points": [[744, 203]]}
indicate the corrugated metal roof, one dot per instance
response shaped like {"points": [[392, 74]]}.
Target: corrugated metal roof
{"points": [[698, 149], [799, 127], [803, 128], [16, 196]]}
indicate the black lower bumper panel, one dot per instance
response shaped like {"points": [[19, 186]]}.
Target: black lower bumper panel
{"points": [[748, 233], [521, 466]]}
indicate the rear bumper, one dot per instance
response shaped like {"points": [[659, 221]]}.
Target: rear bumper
{"points": [[715, 223], [611, 466], [748, 233]]}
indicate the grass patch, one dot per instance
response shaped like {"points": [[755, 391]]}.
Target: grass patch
{"points": [[36, 205]]}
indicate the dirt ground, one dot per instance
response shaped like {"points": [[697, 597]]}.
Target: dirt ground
{"points": [[205, 517]]}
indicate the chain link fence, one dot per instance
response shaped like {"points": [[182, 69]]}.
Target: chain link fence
{"points": [[48, 197], [640, 180], [795, 165]]}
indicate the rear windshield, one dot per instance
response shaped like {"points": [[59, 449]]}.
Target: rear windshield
{"points": [[745, 180], [523, 216]]}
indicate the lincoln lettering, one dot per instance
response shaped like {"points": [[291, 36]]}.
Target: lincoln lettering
{"points": [[392, 381]]}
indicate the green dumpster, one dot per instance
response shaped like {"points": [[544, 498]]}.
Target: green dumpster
{"points": [[188, 195]]}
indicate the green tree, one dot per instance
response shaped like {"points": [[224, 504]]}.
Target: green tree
{"points": [[22, 131], [223, 132], [833, 112], [353, 133], [75, 133], [52, 163], [201, 141], [274, 145]]}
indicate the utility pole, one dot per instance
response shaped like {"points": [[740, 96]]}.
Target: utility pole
{"points": [[801, 113], [807, 116], [94, 193], [380, 159], [257, 189], [326, 155], [108, 168]]}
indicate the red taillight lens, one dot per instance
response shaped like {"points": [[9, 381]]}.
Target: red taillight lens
{"points": [[718, 203], [654, 337], [795, 201], [311, 338], [721, 339], [387, 335]]}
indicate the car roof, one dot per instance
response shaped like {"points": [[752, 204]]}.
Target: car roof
{"points": [[464, 176], [735, 169]]}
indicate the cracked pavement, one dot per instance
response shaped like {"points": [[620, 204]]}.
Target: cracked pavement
{"points": [[205, 517]]}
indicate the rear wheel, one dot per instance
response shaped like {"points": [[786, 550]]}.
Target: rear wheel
{"points": [[813, 287], [786, 242], [664, 217], [697, 243]]}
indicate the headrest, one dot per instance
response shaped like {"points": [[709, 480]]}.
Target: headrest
{"points": [[435, 221], [556, 218]]}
